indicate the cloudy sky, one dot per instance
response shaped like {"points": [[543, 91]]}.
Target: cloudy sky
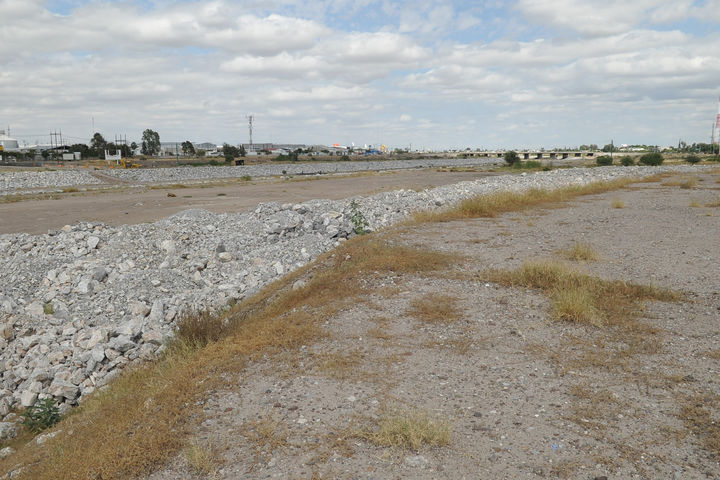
{"points": [[432, 74]]}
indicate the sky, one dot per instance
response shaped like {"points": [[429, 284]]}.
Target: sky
{"points": [[409, 74]]}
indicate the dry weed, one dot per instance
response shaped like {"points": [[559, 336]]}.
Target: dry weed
{"points": [[201, 459], [409, 429], [435, 308], [617, 203], [492, 205], [581, 252], [714, 203], [582, 298]]}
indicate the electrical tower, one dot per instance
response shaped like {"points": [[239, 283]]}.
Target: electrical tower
{"points": [[250, 128]]}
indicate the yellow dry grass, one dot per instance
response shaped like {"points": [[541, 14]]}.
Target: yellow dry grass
{"points": [[581, 298], [617, 203], [492, 205], [408, 429], [714, 203], [435, 308], [581, 252], [201, 459]]}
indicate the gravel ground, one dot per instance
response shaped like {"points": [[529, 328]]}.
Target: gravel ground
{"points": [[518, 389], [82, 302], [52, 181]]}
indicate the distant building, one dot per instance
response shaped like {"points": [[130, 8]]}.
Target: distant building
{"points": [[8, 144]]}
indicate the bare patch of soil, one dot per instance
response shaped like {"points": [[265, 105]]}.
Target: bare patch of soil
{"points": [[130, 205], [524, 396]]}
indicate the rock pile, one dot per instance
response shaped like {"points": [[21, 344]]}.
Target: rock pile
{"points": [[80, 303]]}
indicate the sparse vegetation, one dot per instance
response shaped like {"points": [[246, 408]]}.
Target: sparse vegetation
{"points": [[409, 429], [684, 183], [360, 223], [492, 205], [144, 417], [581, 252], [581, 298], [41, 416], [202, 460], [435, 308], [714, 203]]}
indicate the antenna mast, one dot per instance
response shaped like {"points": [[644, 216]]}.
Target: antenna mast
{"points": [[250, 128]]}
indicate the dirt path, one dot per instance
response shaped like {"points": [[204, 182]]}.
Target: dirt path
{"points": [[524, 396], [138, 205]]}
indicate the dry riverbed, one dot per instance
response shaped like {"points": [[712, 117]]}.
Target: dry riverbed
{"points": [[447, 374]]}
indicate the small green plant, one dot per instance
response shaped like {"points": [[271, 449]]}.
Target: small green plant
{"points": [[652, 159], [41, 416], [246, 178], [359, 221], [627, 161], [692, 159], [48, 308], [604, 160], [511, 157]]}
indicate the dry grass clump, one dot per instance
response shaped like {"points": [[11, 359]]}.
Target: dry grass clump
{"points": [[617, 203], [492, 205], [694, 204], [435, 308], [202, 460], [697, 416], [266, 434], [143, 418], [684, 183], [340, 365], [410, 430], [715, 203], [581, 298], [581, 252]]}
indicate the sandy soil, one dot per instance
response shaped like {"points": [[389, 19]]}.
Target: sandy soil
{"points": [[526, 396], [130, 205]]}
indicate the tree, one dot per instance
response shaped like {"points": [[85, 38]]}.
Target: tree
{"points": [[97, 142], [241, 151], [150, 142], [511, 157], [609, 148], [188, 148], [133, 146], [230, 152]]}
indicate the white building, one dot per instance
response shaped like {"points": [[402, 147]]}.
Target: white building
{"points": [[8, 144]]}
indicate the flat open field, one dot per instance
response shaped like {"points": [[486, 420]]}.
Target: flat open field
{"points": [[128, 205], [460, 371]]}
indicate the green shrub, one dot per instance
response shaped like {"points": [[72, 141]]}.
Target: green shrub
{"points": [[653, 159], [41, 416], [359, 221], [692, 159], [604, 160], [627, 161], [345, 158], [48, 308], [511, 157]]}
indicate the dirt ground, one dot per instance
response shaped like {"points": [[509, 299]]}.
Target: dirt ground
{"points": [[523, 395], [138, 204]]}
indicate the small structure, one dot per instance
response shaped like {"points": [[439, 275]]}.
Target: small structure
{"points": [[8, 144], [117, 156]]}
